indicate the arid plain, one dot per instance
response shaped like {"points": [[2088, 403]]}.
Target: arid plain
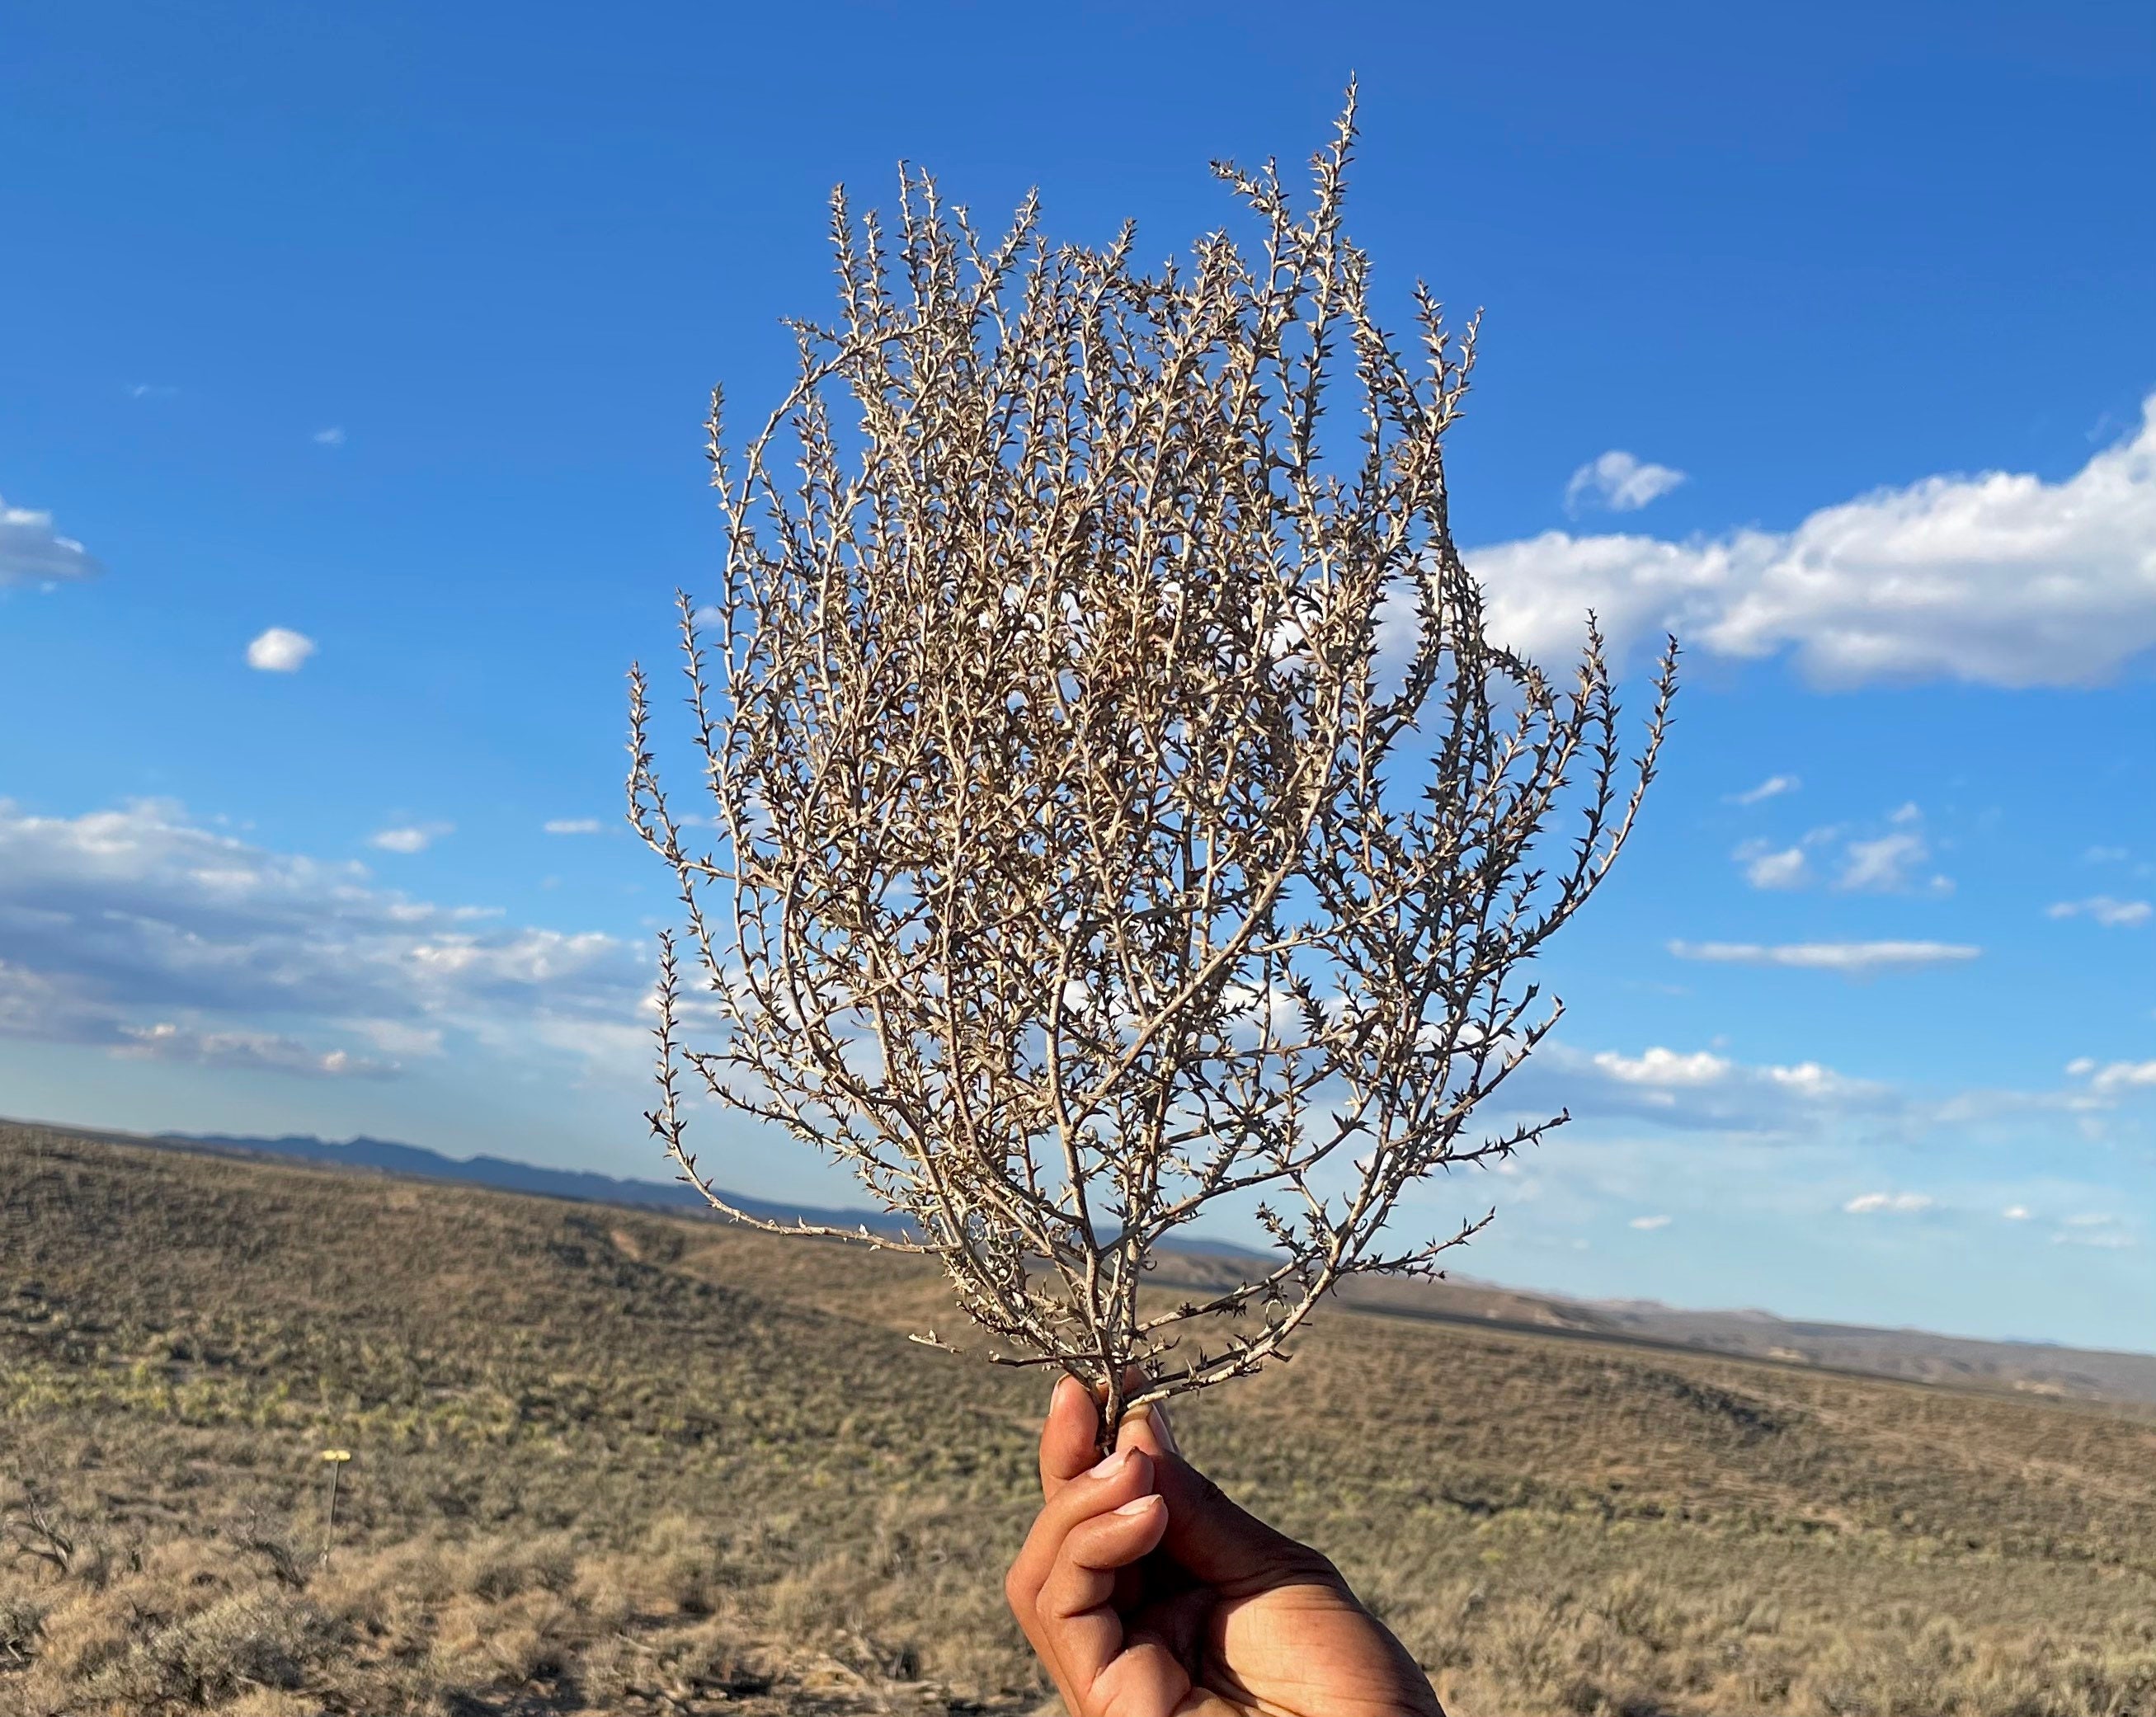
{"points": [[610, 1460]]}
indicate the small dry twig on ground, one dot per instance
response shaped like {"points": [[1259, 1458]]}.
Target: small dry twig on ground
{"points": [[1123, 813]]}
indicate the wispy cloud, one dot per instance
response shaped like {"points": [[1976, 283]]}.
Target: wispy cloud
{"points": [[1888, 865], [2002, 579], [332, 437], [1898, 1204], [1648, 1224], [573, 826], [33, 552], [2112, 915], [2101, 1228], [280, 650], [1849, 959], [1772, 787], [1620, 483], [254, 1051]]}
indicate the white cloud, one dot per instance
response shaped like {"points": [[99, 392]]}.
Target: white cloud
{"points": [[141, 930], [2001, 579], [2109, 1079], [280, 650], [2094, 1228], [1664, 1068], [573, 826], [1892, 863], [412, 838], [1902, 1203], [2112, 915], [1767, 866], [166, 1041], [2104, 855], [2015, 1212], [1696, 1089], [1619, 482], [1772, 787], [1885, 866], [1851, 959], [32, 552], [332, 437], [1648, 1224]]}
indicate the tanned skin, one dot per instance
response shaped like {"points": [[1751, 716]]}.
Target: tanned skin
{"points": [[1147, 1593]]}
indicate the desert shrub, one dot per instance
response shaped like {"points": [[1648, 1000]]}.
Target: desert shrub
{"points": [[256, 1640], [22, 1620]]}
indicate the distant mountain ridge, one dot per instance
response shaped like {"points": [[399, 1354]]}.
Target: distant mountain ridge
{"points": [[388, 1156], [1913, 1356]]}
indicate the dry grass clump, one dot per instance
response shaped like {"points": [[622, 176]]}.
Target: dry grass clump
{"points": [[559, 1501], [1629, 1647]]}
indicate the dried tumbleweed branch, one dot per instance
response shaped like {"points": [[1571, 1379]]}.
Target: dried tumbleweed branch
{"points": [[1075, 874]]}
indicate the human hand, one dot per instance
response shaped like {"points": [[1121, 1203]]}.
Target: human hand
{"points": [[1148, 1594]]}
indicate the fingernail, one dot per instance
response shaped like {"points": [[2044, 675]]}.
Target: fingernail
{"points": [[1137, 1504], [1114, 1465]]}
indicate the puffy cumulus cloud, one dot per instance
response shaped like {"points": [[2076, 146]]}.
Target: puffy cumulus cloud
{"points": [[1663, 1068], [2112, 1079], [1893, 858], [280, 650], [2112, 915], [1699, 1089], [33, 552], [142, 930], [1849, 959], [1898, 1204], [1767, 866], [1619, 482], [2000, 579]]}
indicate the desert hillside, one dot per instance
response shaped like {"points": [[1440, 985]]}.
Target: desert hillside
{"points": [[614, 1460]]}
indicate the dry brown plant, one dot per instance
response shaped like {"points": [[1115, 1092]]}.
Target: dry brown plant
{"points": [[1122, 814]]}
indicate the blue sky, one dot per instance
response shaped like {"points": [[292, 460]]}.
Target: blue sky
{"points": [[1824, 336]]}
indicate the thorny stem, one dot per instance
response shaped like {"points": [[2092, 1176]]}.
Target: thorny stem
{"points": [[1072, 874]]}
